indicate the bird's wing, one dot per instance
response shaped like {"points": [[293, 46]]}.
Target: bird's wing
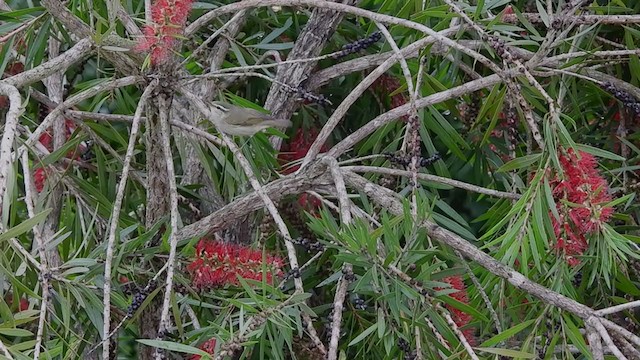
{"points": [[254, 117]]}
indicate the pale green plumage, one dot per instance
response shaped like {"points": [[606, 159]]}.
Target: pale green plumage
{"points": [[235, 120]]}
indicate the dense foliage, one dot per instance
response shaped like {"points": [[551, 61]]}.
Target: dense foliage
{"points": [[460, 180]]}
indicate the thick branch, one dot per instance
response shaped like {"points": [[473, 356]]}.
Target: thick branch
{"points": [[74, 55], [76, 26], [313, 176], [311, 41], [12, 117]]}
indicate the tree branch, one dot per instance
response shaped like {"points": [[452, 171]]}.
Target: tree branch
{"points": [[434, 178], [13, 115], [115, 215]]}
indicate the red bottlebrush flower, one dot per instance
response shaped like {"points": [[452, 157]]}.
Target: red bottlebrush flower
{"points": [[46, 139], [39, 177], [390, 84], [586, 190], [208, 346], [309, 202], [460, 318], [508, 10], [617, 116], [22, 306], [218, 264], [298, 147], [11, 69], [14, 68], [169, 18]]}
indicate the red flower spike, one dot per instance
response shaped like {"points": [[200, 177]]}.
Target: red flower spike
{"points": [[22, 306], [46, 139], [586, 190], [39, 177], [460, 318], [298, 147], [390, 84], [208, 346], [309, 202], [508, 10], [218, 264], [169, 18]]}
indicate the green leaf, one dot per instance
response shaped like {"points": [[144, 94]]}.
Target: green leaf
{"points": [[576, 337], [381, 323], [543, 13], [4, 54], [508, 333], [277, 32], [364, 334], [519, 163], [15, 332], [24, 226], [173, 346], [599, 152], [479, 9]]}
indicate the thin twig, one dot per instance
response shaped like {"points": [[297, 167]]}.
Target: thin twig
{"points": [[213, 36], [75, 100], [622, 331], [595, 343], [434, 178], [412, 133], [62, 62], [6, 352], [44, 268], [343, 283], [115, 215], [483, 294], [382, 18], [578, 19], [617, 308], [173, 196]]}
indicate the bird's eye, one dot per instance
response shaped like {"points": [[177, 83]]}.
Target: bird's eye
{"points": [[220, 107]]}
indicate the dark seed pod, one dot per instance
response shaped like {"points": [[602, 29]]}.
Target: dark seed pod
{"points": [[628, 100], [357, 45], [406, 160], [359, 303], [403, 344], [311, 97]]}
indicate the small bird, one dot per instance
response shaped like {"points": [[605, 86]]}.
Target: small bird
{"points": [[237, 120]]}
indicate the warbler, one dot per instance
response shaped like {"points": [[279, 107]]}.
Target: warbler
{"points": [[236, 120]]}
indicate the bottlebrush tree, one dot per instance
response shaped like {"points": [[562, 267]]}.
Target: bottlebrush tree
{"points": [[460, 180]]}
